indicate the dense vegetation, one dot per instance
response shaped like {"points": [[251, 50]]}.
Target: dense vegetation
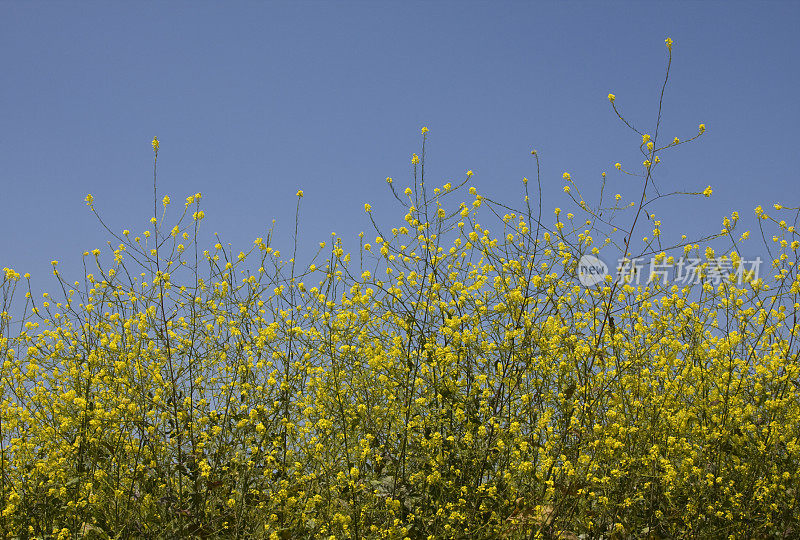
{"points": [[440, 382]]}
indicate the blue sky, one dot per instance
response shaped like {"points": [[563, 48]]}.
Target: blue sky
{"points": [[253, 101]]}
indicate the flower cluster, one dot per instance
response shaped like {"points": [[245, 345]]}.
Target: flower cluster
{"points": [[447, 381]]}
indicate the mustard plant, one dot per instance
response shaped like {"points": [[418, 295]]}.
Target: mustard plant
{"points": [[442, 381]]}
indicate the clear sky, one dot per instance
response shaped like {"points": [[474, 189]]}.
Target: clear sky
{"points": [[253, 101]]}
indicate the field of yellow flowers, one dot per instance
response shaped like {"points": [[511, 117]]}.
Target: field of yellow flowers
{"points": [[442, 381]]}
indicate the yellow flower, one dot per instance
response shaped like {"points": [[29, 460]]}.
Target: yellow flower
{"points": [[565, 176], [701, 128], [388, 180], [647, 163], [676, 140], [155, 144], [165, 200], [300, 193], [645, 138], [424, 130], [707, 192], [618, 166], [668, 41], [367, 207], [89, 199], [777, 206], [414, 159], [611, 98], [470, 174], [566, 189]]}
